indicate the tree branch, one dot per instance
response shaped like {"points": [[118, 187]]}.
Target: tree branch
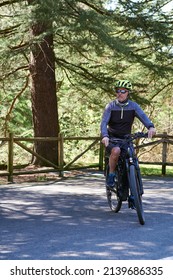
{"points": [[10, 2], [99, 11], [7, 118], [171, 83], [25, 67], [9, 30]]}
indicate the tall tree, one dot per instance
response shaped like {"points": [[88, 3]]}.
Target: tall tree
{"points": [[43, 88], [83, 46]]}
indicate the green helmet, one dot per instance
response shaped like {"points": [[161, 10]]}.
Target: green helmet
{"points": [[123, 84]]}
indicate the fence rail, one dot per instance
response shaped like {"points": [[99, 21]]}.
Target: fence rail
{"points": [[163, 139]]}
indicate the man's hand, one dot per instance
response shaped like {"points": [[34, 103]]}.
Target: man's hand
{"points": [[151, 132], [105, 141]]}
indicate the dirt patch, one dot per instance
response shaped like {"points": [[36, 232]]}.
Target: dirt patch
{"points": [[39, 175]]}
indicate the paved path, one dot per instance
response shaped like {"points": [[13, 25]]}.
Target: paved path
{"points": [[70, 219]]}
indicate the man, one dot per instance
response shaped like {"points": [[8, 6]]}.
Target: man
{"points": [[117, 122]]}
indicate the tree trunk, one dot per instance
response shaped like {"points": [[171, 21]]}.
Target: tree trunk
{"points": [[43, 94]]}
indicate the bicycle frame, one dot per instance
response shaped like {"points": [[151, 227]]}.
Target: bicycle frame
{"points": [[129, 182]]}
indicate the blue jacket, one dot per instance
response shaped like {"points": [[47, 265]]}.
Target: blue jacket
{"points": [[118, 118]]}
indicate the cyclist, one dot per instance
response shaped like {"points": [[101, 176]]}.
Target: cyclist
{"points": [[117, 121]]}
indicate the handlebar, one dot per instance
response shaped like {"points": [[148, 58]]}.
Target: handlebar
{"points": [[137, 135], [130, 137]]}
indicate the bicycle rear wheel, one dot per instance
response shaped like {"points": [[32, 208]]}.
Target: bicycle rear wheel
{"points": [[114, 201], [135, 190]]}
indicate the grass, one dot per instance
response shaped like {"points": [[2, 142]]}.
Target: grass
{"points": [[155, 170]]}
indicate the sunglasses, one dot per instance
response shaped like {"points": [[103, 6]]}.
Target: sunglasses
{"points": [[123, 91]]}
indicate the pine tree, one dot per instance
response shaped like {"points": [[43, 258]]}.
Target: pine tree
{"points": [[70, 45]]}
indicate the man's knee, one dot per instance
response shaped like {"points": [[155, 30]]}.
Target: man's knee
{"points": [[115, 152]]}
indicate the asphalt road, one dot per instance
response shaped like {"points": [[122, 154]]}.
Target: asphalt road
{"points": [[70, 219]]}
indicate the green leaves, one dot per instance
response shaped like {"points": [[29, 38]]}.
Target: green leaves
{"points": [[93, 46]]}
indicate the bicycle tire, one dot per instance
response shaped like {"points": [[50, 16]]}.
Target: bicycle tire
{"points": [[135, 190], [114, 201]]}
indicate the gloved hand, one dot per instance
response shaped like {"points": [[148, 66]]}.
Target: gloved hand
{"points": [[105, 141], [151, 132]]}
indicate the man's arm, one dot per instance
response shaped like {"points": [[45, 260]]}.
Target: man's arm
{"points": [[105, 121], [140, 114]]}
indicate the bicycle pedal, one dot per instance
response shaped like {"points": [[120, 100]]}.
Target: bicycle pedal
{"points": [[131, 204], [109, 187]]}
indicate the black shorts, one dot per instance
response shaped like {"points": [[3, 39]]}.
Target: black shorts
{"points": [[119, 143]]}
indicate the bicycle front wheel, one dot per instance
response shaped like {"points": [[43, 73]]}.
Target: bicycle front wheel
{"points": [[135, 190]]}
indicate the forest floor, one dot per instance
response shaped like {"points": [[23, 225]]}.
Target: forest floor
{"points": [[42, 176]]}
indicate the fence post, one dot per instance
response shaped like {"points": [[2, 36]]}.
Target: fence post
{"points": [[61, 154], [10, 158], [101, 156], [164, 153]]}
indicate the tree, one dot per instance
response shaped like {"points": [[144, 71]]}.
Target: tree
{"points": [[83, 46], [43, 89]]}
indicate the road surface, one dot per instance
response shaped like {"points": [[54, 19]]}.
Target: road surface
{"points": [[69, 219]]}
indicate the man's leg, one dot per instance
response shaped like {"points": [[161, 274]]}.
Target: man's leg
{"points": [[113, 160]]}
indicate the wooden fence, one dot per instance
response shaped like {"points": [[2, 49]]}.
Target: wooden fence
{"points": [[163, 139]]}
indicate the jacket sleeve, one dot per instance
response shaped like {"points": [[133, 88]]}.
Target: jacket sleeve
{"points": [[143, 117], [105, 121]]}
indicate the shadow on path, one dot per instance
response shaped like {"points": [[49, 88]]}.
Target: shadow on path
{"points": [[70, 219]]}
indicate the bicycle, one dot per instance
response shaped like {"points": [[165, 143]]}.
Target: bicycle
{"points": [[128, 185]]}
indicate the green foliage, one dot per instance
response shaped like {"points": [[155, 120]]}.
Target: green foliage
{"points": [[93, 46], [153, 170]]}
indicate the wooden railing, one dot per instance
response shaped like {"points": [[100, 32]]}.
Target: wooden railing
{"points": [[61, 167], [163, 139]]}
